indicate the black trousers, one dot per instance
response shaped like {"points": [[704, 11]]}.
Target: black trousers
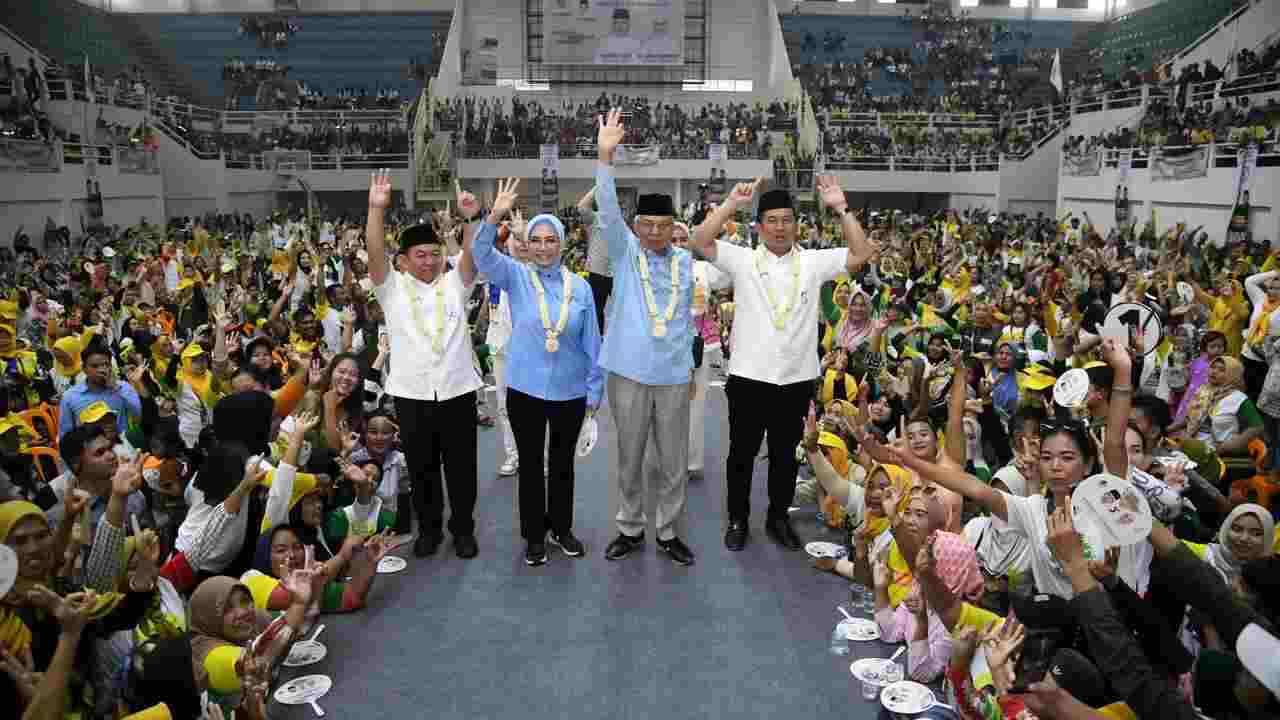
{"points": [[546, 503], [601, 289], [433, 431], [754, 408]]}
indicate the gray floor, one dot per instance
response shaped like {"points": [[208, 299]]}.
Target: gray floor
{"points": [[735, 635]]}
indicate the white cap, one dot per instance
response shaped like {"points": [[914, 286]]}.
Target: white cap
{"points": [[108, 252], [1259, 652]]}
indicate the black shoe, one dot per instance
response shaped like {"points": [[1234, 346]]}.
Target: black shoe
{"points": [[426, 545], [695, 476], [735, 538], [535, 554], [679, 552], [568, 543], [465, 546], [622, 546], [780, 531]]}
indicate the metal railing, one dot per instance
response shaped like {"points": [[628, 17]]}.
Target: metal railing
{"points": [[1263, 82], [907, 163], [670, 151], [29, 156], [933, 120], [301, 160]]}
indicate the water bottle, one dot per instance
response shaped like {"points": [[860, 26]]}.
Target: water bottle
{"points": [[839, 644]]}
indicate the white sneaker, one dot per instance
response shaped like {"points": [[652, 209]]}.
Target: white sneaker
{"points": [[510, 467]]}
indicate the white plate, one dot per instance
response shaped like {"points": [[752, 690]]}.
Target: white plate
{"points": [[391, 564], [305, 690], [587, 436], [1110, 512], [8, 569], [1071, 389], [907, 696], [860, 629], [868, 669], [306, 652], [820, 549]]}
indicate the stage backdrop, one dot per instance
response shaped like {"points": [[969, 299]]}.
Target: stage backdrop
{"points": [[613, 32]]}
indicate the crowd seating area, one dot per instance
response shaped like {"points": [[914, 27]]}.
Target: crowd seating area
{"points": [[340, 59], [486, 129], [1143, 38]]}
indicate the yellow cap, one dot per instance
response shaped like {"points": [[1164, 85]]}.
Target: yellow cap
{"points": [[1094, 364], [95, 412], [185, 283], [155, 712]]}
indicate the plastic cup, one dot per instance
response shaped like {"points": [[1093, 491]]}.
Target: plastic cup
{"points": [[870, 689]]}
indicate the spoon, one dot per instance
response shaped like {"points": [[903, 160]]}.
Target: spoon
{"points": [[844, 612], [319, 630]]}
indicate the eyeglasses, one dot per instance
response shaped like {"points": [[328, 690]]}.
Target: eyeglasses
{"points": [[651, 226]]}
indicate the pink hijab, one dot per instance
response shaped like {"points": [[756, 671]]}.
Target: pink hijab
{"points": [[956, 564]]}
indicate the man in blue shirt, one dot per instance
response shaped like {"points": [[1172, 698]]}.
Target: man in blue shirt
{"points": [[647, 353], [99, 385]]}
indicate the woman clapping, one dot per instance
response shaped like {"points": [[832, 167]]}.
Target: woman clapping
{"points": [[552, 374]]}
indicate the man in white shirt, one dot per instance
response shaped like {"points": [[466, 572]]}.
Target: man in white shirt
{"points": [[776, 295], [433, 375]]}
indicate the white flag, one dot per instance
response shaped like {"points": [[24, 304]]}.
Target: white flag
{"points": [[1055, 75]]}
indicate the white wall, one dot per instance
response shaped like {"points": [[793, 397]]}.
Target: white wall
{"points": [[969, 201], [27, 199], [1032, 183], [1248, 30], [1200, 201], [980, 183]]}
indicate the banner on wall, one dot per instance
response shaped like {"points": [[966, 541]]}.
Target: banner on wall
{"points": [[550, 155], [1082, 165], [1180, 165], [717, 152], [1238, 227], [550, 190], [613, 32], [637, 155]]}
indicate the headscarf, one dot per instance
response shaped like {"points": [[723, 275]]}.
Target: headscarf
{"points": [[1004, 393], [956, 565], [854, 334], [201, 384], [876, 522], [72, 347], [207, 605], [244, 418], [12, 513], [1219, 554], [837, 451], [1208, 395]]}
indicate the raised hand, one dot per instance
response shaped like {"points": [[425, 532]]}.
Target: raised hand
{"points": [[303, 423], [380, 190], [468, 206], [831, 192], [253, 474], [506, 199], [299, 582], [880, 576], [128, 477], [74, 501], [742, 193], [377, 546], [1063, 540], [1102, 569], [384, 344], [610, 134]]}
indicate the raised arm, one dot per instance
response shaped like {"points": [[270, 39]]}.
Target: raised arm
{"points": [[951, 478], [469, 207], [956, 449], [1114, 455], [610, 214], [704, 236], [1254, 286], [500, 269], [375, 232], [861, 250]]}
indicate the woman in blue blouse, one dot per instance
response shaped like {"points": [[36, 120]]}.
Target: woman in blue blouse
{"points": [[552, 374]]}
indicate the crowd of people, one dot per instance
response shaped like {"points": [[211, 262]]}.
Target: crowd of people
{"points": [[487, 125], [212, 422], [270, 32]]}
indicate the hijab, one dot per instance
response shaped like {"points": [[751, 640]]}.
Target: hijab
{"points": [[854, 334], [1209, 395], [208, 603], [12, 513], [201, 383], [876, 523], [72, 347], [1219, 554], [956, 564]]}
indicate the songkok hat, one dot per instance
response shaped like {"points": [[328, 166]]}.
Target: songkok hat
{"points": [[422, 234], [775, 200], [656, 204]]}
